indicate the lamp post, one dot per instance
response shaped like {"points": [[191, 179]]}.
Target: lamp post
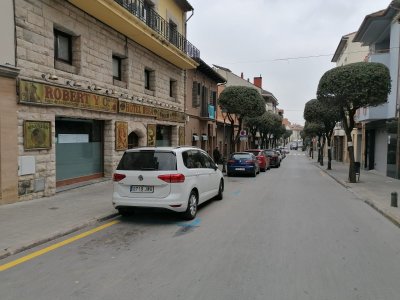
{"points": [[224, 115]]}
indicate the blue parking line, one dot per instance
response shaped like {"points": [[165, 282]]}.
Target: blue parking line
{"points": [[195, 223]]}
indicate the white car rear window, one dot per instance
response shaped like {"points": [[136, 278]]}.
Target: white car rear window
{"points": [[148, 160]]}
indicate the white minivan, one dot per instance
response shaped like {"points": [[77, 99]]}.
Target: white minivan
{"points": [[175, 178]]}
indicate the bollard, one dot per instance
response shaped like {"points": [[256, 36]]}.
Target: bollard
{"points": [[394, 199]]}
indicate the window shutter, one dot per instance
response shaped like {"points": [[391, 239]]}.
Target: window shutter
{"points": [[194, 94]]}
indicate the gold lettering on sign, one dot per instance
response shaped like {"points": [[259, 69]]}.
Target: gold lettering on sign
{"points": [[158, 113], [44, 94]]}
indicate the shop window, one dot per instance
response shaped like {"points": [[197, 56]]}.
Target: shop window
{"points": [[63, 46], [163, 135]]}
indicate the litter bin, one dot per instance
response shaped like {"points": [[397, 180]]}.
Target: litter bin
{"points": [[357, 166]]}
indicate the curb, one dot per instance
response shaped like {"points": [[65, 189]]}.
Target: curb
{"points": [[387, 215], [11, 251]]}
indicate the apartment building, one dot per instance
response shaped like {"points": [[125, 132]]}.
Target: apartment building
{"points": [[93, 78], [380, 31]]}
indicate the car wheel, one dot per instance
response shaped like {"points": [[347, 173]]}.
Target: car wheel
{"points": [[220, 195], [125, 211], [191, 209], [229, 174], [263, 170]]}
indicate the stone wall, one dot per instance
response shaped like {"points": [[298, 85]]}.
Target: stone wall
{"points": [[94, 44]]}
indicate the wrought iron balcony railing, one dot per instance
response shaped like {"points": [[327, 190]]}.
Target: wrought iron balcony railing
{"points": [[152, 19]]}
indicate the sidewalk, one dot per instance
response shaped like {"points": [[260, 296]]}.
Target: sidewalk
{"points": [[24, 225], [373, 188]]}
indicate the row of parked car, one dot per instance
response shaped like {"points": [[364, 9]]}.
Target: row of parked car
{"points": [[252, 161], [179, 178]]}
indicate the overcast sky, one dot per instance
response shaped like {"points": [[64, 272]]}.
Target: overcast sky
{"points": [[259, 37]]}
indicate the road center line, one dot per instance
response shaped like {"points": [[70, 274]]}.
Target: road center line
{"points": [[55, 246]]}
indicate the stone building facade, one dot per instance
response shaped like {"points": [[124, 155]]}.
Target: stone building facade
{"points": [[76, 116]]}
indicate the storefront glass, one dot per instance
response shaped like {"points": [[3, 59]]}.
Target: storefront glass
{"points": [[79, 148]]}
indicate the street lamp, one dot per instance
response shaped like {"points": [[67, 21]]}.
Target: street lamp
{"points": [[224, 113]]}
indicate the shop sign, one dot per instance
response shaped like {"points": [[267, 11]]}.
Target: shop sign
{"points": [[44, 94], [121, 135], [37, 135], [151, 135], [158, 113], [181, 135]]}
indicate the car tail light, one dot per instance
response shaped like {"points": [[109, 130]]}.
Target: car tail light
{"points": [[231, 161], [118, 177], [249, 162], [172, 178]]}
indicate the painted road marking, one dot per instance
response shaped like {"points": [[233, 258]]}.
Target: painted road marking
{"points": [[23, 259]]}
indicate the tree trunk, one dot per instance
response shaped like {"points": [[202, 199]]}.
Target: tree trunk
{"points": [[348, 124], [322, 151], [329, 152]]}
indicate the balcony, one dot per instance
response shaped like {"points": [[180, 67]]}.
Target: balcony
{"points": [[144, 26]]}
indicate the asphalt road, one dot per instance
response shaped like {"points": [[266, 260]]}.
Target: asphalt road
{"points": [[289, 233]]}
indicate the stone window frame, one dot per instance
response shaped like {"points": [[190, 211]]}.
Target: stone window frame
{"points": [[173, 88], [149, 80], [117, 59], [74, 65], [58, 33]]}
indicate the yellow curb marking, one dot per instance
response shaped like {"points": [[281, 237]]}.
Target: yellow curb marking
{"points": [[55, 246]]}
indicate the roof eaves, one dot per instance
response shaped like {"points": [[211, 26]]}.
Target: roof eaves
{"points": [[185, 5], [340, 47], [384, 15]]}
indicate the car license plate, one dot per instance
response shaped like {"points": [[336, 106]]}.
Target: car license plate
{"points": [[142, 189], [239, 169]]}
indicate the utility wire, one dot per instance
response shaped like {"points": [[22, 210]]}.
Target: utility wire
{"points": [[311, 56]]}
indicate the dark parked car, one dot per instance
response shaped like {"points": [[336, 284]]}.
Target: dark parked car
{"points": [[274, 159], [242, 163], [263, 159]]}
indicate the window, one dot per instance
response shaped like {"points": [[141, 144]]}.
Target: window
{"points": [[63, 46], [213, 98], [172, 88], [149, 79], [148, 160], [196, 94], [116, 67], [173, 33]]}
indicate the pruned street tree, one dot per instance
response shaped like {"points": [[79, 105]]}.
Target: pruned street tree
{"points": [[269, 124], [351, 87], [327, 113], [241, 102], [311, 130], [254, 124]]}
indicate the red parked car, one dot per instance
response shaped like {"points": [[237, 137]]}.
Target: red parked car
{"points": [[263, 159], [274, 159]]}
